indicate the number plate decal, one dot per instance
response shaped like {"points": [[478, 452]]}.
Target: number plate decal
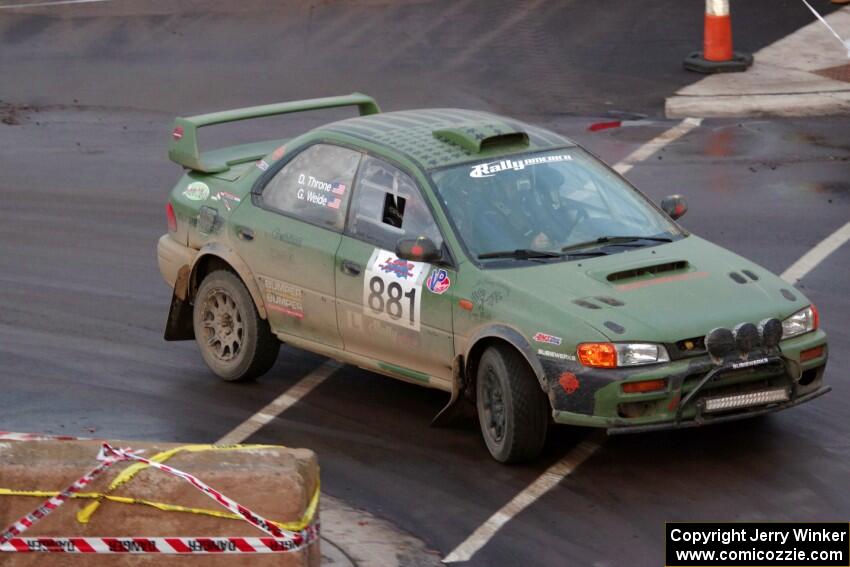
{"points": [[392, 289]]}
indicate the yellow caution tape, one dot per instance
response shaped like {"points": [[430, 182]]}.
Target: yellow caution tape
{"points": [[301, 524], [84, 515]]}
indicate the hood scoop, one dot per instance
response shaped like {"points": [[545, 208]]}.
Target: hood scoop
{"points": [[649, 272]]}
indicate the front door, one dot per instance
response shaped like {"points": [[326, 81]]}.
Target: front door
{"points": [[396, 312], [295, 229]]}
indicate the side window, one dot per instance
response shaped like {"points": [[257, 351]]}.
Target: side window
{"points": [[388, 207], [315, 186]]}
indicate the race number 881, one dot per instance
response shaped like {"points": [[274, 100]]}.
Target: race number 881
{"points": [[387, 298]]}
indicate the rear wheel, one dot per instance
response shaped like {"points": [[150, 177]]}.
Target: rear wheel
{"points": [[234, 341], [513, 411]]}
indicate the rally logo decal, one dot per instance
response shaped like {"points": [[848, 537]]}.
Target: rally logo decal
{"points": [[400, 268], [438, 282], [492, 168], [263, 165], [548, 339], [197, 191]]}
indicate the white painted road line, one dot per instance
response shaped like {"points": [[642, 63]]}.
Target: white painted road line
{"points": [[282, 403], [569, 462], [656, 144], [47, 4], [816, 255], [544, 483]]}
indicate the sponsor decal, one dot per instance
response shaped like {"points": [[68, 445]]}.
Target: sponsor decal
{"points": [[749, 363], [392, 289], [556, 355], [278, 153], [263, 165], [492, 168], [548, 339], [177, 133], [438, 282], [282, 297], [288, 237], [197, 191], [568, 382], [229, 200]]}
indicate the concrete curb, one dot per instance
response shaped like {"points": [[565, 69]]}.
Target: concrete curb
{"points": [[356, 537], [781, 104]]}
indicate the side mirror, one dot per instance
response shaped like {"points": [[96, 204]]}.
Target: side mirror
{"points": [[420, 249], [675, 206]]}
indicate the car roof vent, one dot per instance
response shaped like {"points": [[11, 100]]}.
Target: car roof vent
{"points": [[478, 138], [648, 271]]}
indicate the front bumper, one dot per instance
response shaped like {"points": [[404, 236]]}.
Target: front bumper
{"points": [[709, 420], [691, 383]]}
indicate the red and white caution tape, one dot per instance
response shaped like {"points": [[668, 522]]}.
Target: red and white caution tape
{"points": [[54, 502], [163, 545], [249, 516], [282, 540]]}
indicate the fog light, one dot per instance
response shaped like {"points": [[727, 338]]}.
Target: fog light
{"points": [[750, 399], [812, 353], [644, 386]]}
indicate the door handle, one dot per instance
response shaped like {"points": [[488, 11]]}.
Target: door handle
{"points": [[351, 268], [245, 233]]}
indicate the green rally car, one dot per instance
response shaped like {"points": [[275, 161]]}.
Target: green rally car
{"points": [[478, 255]]}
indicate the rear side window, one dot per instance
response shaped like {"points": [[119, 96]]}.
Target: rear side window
{"points": [[315, 186], [388, 207]]}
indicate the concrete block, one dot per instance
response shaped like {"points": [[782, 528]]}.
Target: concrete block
{"points": [[276, 483]]}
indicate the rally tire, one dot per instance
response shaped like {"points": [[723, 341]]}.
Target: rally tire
{"points": [[235, 342], [506, 385]]}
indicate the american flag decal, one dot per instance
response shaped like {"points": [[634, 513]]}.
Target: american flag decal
{"points": [[334, 203], [338, 188]]}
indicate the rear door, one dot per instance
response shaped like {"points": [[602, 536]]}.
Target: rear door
{"points": [[391, 310], [289, 236]]}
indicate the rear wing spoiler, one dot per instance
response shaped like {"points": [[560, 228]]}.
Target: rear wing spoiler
{"points": [[183, 148]]}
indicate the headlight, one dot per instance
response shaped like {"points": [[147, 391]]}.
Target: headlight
{"points": [[803, 321], [613, 355]]}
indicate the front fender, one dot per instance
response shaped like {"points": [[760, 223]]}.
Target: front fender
{"points": [[511, 336], [229, 256]]}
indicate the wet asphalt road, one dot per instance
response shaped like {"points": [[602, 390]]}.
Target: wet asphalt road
{"points": [[82, 305]]}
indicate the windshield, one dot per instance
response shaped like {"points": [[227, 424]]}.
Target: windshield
{"points": [[553, 202]]}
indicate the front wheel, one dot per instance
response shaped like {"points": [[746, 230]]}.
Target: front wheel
{"points": [[234, 341], [513, 411]]}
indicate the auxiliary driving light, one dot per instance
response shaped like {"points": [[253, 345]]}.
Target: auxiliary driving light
{"points": [[746, 337], [750, 399], [771, 332], [719, 342]]}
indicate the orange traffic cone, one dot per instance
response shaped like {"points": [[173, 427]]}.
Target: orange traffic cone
{"points": [[717, 55]]}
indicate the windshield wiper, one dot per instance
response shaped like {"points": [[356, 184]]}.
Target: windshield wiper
{"points": [[520, 254], [615, 241]]}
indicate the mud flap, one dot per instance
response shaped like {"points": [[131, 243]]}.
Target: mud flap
{"points": [[179, 326], [459, 409]]}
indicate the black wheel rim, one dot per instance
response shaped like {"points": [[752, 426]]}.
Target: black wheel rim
{"points": [[222, 327], [494, 406]]}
